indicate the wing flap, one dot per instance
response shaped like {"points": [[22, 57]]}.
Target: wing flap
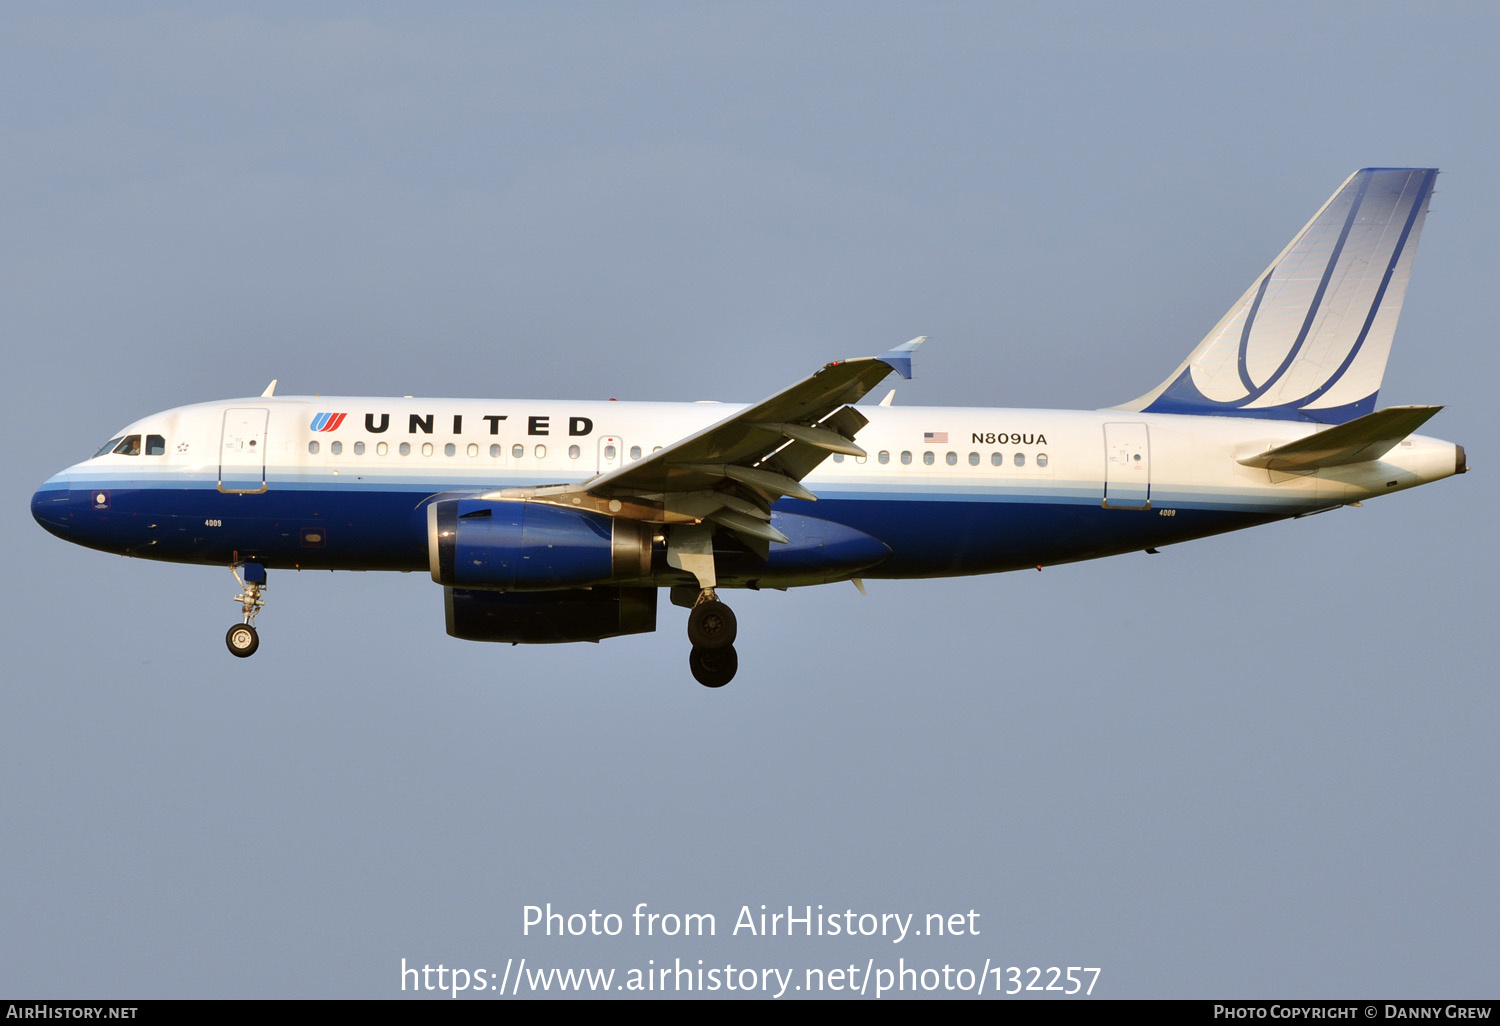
{"points": [[818, 436], [768, 482], [749, 526], [801, 458]]}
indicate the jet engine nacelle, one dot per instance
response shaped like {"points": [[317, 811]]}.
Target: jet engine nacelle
{"points": [[531, 546], [579, 614]]}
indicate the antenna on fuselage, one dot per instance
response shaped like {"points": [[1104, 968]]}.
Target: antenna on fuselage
{"points": [[270, 390]]}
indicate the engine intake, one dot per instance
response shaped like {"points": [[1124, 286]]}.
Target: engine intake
{"points": [[531, 546]]}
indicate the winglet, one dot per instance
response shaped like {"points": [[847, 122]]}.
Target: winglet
{"points": [[900, 357]]}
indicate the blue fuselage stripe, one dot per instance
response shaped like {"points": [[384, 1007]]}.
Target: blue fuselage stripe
{"points": [[966, 531]]}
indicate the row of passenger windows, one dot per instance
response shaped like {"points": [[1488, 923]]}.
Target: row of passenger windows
{"points": [[518, 451], [130, 445], [997, 459], [156, 445]]}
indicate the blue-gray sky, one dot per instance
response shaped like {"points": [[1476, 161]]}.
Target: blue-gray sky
{"points": [[1261, 765]]}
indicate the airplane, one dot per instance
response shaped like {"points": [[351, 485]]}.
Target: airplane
{"points": [[559, 521]]}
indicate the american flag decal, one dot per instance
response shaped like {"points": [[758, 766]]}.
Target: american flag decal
{"points": [[328, 421], [934, 436]]}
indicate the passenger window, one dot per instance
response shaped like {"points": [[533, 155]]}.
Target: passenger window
{"points": [[574, 452], [405, 449], [541, 452], [1020, 459], [518, 450], [359, 448], [1041, 459], [860, 460], [450, 449], [312, 447], [381, 448], [635, 452], [473, 450], [156, 445], [426, 448], [906, 456], [997, 459], [952, 458], [336, 448], [108, 446], [885, 456], [609, 452], [838, 457], [973, 459], [129, 446], [928, 458]]}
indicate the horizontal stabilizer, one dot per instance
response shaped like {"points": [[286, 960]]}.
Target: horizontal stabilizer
{"points": [[1357, 441]]}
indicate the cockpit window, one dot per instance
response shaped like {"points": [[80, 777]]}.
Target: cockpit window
{"points": [[156, 445], [130, 445], [109, 446]]}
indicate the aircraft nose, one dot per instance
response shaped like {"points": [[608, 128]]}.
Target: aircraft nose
{"points": [[49, 504]]}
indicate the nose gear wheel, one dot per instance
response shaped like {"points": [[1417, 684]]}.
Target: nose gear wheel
{"points": [[242, 639]]}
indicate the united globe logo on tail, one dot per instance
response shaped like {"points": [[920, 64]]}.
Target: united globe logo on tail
{"points": [[1309, 339]]}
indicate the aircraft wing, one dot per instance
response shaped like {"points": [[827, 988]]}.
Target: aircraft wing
{"points": [[733, 471]]}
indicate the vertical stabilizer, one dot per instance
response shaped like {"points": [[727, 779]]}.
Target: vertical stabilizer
{"points": [[1309, 339]]}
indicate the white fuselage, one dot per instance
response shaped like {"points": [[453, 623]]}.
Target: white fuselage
{"points": [[1130, 480]]}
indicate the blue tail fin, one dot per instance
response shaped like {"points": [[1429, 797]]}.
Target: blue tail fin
{"points": [[1309, 339]]}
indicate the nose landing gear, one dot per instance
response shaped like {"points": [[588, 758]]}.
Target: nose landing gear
{"points": [[242, 638]]}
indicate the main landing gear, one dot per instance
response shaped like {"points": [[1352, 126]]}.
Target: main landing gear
{"points": [[712, 629], [242, 638], [711, 625]]}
